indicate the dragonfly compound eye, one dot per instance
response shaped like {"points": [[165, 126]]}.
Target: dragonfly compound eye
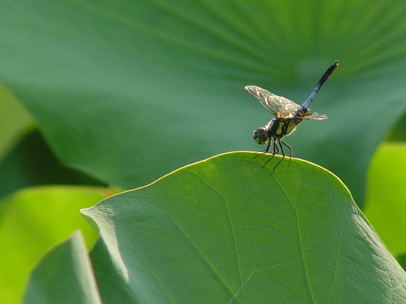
{"points": [[260, 136]]}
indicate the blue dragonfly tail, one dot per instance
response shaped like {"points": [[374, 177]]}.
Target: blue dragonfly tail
{"points": [[306, 105]]}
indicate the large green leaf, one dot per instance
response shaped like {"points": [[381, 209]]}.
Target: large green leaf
{"points": [[128, 91], [227, 230], [34, 220]]}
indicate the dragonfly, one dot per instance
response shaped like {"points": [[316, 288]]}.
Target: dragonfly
{"points": [[287, 116]]}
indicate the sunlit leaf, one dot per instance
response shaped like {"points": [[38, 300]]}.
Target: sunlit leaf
{"points": [[386, 207]]}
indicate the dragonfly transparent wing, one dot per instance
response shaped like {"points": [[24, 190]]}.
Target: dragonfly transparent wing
{"points": [[315, 116], [277, 105]]}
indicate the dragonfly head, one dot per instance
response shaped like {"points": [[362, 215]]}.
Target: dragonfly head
{"points": [[260, 136]]}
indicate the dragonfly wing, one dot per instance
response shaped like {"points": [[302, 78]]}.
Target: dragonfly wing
{"points": [[277, 105], [315, 116]]}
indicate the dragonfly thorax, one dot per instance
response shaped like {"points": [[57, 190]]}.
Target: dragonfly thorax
{"points": [[280, 127], [277, 128]]}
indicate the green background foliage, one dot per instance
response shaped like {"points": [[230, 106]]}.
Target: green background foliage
{"points": [[127, 92], [34, 220]]}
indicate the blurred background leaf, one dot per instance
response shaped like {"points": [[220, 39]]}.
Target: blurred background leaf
{"points": [[129, 91], [34, 220], [401, 258], [31, 163], [15, 121]]}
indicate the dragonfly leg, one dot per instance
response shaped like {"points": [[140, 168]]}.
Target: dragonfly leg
{"points": [[265, 150], [283, 153], [275, 150], [289, 147]]}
